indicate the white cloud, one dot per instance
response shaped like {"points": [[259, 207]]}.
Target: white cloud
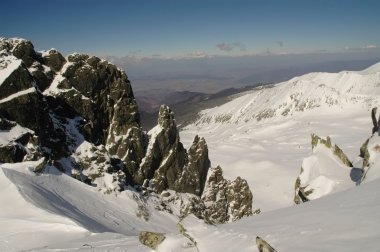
{"points": [[370, 46], [227, 47], [367, 47], [198, 54]]}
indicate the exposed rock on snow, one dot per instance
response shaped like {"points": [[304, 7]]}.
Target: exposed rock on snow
{"points": [[263, 246], [370, 152], [151, 239], [224, 200]]}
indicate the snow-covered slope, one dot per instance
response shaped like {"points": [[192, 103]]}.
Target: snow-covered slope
{"points": [[345, 221], [44, 210], [264, 135], [62, 214], [324, 92]]}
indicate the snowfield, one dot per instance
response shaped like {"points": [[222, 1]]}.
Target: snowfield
{"points": [[262, 136], [268, 150]]}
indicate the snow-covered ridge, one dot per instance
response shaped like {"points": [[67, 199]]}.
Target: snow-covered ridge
{"points": [[325, 92]]}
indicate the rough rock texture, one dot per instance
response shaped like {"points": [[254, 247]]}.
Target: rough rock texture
{"points": [[225, 200], [315, 140], [151, 239], [166, 155], [263, 246], [194, 174], [80, 114]]}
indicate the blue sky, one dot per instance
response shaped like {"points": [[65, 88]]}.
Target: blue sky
{"points": [[179, 28]]}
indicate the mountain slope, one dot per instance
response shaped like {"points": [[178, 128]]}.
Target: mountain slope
{"points": [[315, 91]]}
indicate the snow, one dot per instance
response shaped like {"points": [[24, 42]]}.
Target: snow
{"points": [[22, 221], [11, 135], [346, 221], [8, 65], [324, 173], [46, 210], [269, 152], [21, 93], [153, 133]]}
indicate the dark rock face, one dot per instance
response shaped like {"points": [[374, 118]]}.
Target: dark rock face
{"points": [[80, 114], [53, 59], [194, 174], [166, 155]]}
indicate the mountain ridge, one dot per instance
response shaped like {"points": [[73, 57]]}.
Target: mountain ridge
{"points": [[307, 92], [82, 118]]}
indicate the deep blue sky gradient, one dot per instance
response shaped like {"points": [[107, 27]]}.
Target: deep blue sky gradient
{"points": [[181, 27]]}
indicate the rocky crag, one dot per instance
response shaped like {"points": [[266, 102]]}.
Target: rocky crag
{"points": [[78, 113]]}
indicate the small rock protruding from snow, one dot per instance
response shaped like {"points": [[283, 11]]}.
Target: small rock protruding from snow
{"points": [[263, 246], [151, 239], [370, 152]]}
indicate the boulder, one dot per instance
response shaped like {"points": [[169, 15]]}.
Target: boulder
{"points": [[151, 239], [263, 246]]}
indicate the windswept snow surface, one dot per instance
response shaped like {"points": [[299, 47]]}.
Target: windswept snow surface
{"points": [[52, 210]]}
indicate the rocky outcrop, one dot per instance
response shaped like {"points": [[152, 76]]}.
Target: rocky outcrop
{"points": [[224, 200], [194, 174], [166, 156], [151, 239], [80, 114]]}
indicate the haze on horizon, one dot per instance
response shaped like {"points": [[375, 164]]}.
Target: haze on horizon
{"points": [[204, 45]]}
